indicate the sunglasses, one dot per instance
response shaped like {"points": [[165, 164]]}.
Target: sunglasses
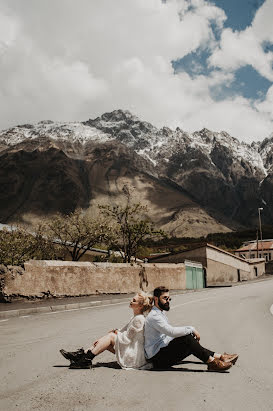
{"points": [[167, 298]]}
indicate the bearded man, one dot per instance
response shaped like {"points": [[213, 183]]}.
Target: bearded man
{"points": [[166, 345]]}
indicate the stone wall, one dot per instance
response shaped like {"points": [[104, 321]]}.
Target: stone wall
{"points": [[41, 279]]}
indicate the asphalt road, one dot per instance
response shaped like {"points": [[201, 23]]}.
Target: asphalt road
{"points": [[34, 376]]}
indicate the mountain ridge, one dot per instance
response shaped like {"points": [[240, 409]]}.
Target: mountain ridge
{"points": [[227, 178]]}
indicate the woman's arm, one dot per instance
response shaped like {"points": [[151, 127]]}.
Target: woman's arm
{"points": [[132, 329]]}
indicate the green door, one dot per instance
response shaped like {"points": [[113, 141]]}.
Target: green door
{"points": [[189, 278], [200, 283], [194, 277]]}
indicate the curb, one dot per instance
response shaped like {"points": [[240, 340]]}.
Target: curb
{"points": [[64, 307], [56, 308], [71, 306]]}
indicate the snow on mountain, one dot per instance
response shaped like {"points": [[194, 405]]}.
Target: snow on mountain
{"points": [[265, 149], [156, 145], [74, 132]]}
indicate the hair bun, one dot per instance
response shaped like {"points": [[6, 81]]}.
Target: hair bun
{"points": [[146, 300]]}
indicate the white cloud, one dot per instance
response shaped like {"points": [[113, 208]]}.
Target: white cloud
{"points": [[237, 49], [71, 61], [265, 106]]}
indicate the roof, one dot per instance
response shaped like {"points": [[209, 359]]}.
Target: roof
{"points": [[252, 246], [202, 246], [255, 260]]}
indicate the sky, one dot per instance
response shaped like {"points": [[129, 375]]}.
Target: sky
{"points": [[177, 63]]}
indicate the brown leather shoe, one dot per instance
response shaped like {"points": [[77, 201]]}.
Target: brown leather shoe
{"points": [[229, 357], [218, 365]]}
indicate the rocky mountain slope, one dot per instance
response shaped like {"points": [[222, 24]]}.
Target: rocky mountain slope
{"points": [[192, 183]]}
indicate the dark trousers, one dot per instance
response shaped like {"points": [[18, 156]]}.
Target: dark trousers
{"points": [[178, 349]]}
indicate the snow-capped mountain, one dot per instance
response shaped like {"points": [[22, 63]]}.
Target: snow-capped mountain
{"points": [[157, 145], [228, 178]]}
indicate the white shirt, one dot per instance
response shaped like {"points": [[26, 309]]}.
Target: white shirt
{"points": [[159, 333]]}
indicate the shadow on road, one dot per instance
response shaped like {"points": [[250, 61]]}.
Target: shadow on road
{"points": [[183, 369], [114, 365]]}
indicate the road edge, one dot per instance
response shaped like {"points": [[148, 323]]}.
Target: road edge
{"points": [[71, 306], [61, 307]]}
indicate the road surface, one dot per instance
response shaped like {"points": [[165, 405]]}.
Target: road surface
{"points": [[34, 376]]}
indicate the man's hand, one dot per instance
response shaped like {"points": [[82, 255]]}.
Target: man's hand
{"points": [[196, 335], [115, 331]]}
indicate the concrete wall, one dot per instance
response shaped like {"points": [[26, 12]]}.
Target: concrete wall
{"points": [[221, 267], [228, 259], [64, 278], [224, 268], [260, 265], [221, 273]]}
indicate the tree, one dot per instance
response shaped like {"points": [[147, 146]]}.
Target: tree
{"points": [[130, 228], [18, 245], [77, 232]]}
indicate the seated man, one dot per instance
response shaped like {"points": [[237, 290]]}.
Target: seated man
{"points": [[166, 345]]}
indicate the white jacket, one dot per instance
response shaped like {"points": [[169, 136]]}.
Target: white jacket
{"points": [[129, 344]]}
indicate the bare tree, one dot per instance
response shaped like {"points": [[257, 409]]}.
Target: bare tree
{"points": [[130, 228], [77, 232]]}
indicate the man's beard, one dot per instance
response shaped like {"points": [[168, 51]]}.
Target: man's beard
{"points": [[165, 306]]}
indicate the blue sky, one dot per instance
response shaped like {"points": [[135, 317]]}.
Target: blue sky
{"points": [[239, 13], [247, 82]]}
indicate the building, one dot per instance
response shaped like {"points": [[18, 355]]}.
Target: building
{"points": [[220, 266], [195, 273], [256, 249]]}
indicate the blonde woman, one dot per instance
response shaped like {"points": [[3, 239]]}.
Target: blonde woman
{"points": [[127, 343]]}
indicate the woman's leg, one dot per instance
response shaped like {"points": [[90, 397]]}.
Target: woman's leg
{"points": [[104, 343]]}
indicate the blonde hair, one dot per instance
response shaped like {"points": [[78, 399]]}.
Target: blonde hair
{"points": [[146, 300]]}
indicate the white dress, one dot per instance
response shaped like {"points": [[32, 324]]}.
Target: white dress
{"points": [[129, 344]]}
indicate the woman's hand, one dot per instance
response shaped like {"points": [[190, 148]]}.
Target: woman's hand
{"points": [[115, 331]]}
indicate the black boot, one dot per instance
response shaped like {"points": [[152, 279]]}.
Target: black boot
{"points": [[74, 356]]}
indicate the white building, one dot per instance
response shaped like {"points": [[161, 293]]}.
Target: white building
{"points": [[256, 249]]}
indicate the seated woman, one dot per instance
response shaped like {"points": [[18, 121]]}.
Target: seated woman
{"points": [[127, 343]]}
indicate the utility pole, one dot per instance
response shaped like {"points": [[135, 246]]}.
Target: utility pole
{"points": [[257, 243], [260, 224]]}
